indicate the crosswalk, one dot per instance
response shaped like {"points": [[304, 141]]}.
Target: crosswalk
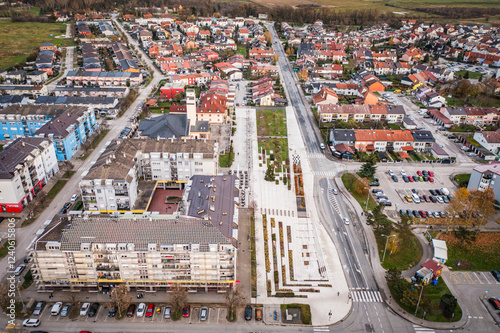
{"points": [[333, 201], [420, 329], [316, 155], [366, 296], [321, 329], [325, 173]]}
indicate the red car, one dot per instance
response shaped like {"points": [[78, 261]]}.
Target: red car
{"points": [[431, 179], [419, 173], [431, 174], [150, 310], [422, 213], [411, 179], [186, 311]]}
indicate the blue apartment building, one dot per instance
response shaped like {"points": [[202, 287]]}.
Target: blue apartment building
{"points": [[69, 131]]}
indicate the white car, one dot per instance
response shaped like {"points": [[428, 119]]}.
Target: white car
{"points": [[85, 309], [346, 220], [56, 308], [31, 322], [391, 173], [140, 310], [403, 173], [74, 197], [439, 199]]}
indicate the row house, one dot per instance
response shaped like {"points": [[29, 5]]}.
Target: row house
{"points": [[490, 140], [429, 97], [374, 140], [193, 79], [264, 70], [330, 71], [360, 113], [104, 78], [326, 96], [259, 54], [483, 59]]}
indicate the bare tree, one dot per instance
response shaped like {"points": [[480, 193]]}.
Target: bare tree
{"points": [[234, 301], [120, 298], [66, 166], [178, 299]]}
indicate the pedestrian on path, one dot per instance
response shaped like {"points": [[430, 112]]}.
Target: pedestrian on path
{"points": [[338, 293]]}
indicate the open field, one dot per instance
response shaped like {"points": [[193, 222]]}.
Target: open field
{"points": [[18, 39], [383, 5], [481, 255], [271, 122]]}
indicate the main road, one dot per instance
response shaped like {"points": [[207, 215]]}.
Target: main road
{"points": [[369, 314]]}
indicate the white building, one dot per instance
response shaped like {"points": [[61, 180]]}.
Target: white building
{"points": [[25, 167], [112, 183], [153, 253]]}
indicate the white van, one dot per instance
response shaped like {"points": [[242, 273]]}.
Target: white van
{"points": [[56, 309], [445, 191], [415, 198]]}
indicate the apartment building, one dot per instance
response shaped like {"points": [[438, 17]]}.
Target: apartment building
{"points": [[484, 176], [25, 167], [112, 183], [103, 78], [360, 113], [374, 140], [147, 253], [69, 130]]}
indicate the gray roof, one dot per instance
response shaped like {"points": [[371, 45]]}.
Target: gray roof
{"points": [[453, 110], [16, 153], [104, 74], [395, 109], [76, 100], [140, 232], [165, 127], [46, 110], [58, 126], [342, 135], [423, 136]]}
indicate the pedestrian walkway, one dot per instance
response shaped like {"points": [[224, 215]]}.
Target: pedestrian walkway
{"points": [[325, 173], [368, 296], [419, 329]]}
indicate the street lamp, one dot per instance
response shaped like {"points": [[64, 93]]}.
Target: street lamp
{"points": [[367, 197], [387, 241], [421, 290]]}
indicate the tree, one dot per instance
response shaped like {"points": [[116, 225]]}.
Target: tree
{"points": [[66, 166], [178, 299], [448, 304], [303, 74], [177, 97], [268, 37], [276, 57], [466, 76], [234, 300], [360, 187], [269, 173], [410, 298], [426, 58], [465, 235], [289, 52], [392, 275], [120, 298], [368, 169]]}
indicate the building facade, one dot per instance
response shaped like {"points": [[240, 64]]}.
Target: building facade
{"points": [[151, 254], [25, 167]]}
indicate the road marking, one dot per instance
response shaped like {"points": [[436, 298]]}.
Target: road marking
{"points": [[321, 329], [477, 276], [419, 329], [370, 296]]}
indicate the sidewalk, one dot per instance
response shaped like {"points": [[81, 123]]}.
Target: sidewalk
{"points": [[379, 274]]}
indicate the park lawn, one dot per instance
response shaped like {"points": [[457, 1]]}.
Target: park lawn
{"points": [[482, 255], [271, 122], [434, 294], [408, 255], [279, 148], [472, 75], [18, 39], [462, 178], [241, 50], [347, 179], [225, 160], [158, 110]]}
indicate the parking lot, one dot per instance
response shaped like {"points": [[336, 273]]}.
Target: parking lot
{"points": [[396, 191], [215, 315]]}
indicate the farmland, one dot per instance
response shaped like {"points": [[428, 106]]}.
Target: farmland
{"points": [[18, 39]]}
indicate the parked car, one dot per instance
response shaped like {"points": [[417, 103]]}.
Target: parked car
{"points": [[258, 313], [74, 197], [410, 179], [409, 213], [408, 198], [445, 199], [203, 313], [439, 199], [423, 213], [93, 309], [19, 269], [431, 179], [415, 178], [186, 311], [374, 183], [433, 192], [394, 178], [391, 173], [112, 312], [387, 203], [495, 303], [39, 308], [65, 310], [56, 308], [150, 310], [414, 190], [402, 212], [416, 214], [32, 322], [84, 309], [403, 173], [335, 191], [166, 314], [346, 220], [140, 309], [419, 173], [406, 180], [248, 312], [131, 310], [496, 275]]}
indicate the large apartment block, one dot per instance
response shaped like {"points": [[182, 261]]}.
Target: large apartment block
{"points": [[112, 182], [148, 253], [485, 176], [25, 167]]}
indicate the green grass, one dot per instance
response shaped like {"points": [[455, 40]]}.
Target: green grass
{"points": [[395, 126], [56, 188], [472, 75], [158, 110], [4, 250], [18, 39], [28, 280], [225, 160], [98, 139], [241, 50], [347, 179], [278, 146], [408, 255], [305, 310], [271, 122], [482, 255], [462, 179]]}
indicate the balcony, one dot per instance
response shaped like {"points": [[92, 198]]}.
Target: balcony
{"points": [[107, 268]]}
